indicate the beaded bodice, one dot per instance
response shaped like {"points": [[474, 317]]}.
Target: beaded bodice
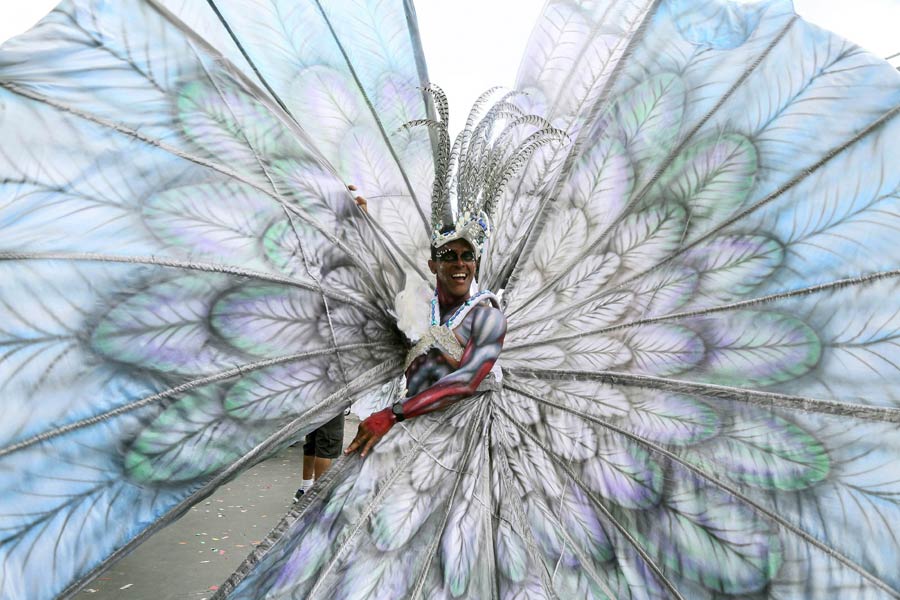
{"points": [[440, 335]]}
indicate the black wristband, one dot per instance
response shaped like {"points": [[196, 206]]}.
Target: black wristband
{"points": [[397, 410]]}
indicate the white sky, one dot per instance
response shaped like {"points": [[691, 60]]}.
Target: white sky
{"points": [[472, 45]]}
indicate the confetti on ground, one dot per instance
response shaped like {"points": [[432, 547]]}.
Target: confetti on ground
{"points": [[213, 587], [221, 549], [90, 591], [126, 586]]}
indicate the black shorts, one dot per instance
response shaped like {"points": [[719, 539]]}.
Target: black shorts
{"points": [[326, 441]]}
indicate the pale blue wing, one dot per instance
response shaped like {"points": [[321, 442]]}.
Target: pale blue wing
{"points": [[703, 319], [188, 284]]}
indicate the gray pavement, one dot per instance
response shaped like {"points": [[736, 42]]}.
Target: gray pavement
{"points": [[191, 557]]}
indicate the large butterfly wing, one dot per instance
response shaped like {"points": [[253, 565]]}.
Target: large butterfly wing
{"points": [[704, 317], [187, 282]]}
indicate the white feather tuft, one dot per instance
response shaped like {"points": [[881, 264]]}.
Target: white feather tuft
{"points": [[413, 307]]}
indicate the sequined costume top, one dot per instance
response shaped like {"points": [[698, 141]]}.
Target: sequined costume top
{"points": [[442, 336]]}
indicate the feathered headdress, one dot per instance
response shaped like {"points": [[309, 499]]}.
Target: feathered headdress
{"points": [[483, 159]]}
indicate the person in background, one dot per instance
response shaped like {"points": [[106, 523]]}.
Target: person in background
{"points": [[324, 444]]}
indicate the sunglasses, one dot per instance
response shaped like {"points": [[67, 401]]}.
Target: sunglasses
{"points": [[450, 256]]}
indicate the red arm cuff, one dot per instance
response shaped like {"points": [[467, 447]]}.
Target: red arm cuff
{"points": [[379, 423]]}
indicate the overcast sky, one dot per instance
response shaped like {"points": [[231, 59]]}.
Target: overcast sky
{"points": [[472, 45]]}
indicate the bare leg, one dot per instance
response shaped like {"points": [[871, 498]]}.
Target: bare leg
{"points": [[321, 465], [309, 463], [309, 466]]}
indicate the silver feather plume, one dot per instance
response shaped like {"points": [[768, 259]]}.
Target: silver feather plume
{"points": [[492, 147]]}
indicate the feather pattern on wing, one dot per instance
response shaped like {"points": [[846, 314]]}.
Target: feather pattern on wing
{"points": [[695, 207]]}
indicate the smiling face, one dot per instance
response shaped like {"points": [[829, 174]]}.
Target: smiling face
{"points": [[454, 273]]}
